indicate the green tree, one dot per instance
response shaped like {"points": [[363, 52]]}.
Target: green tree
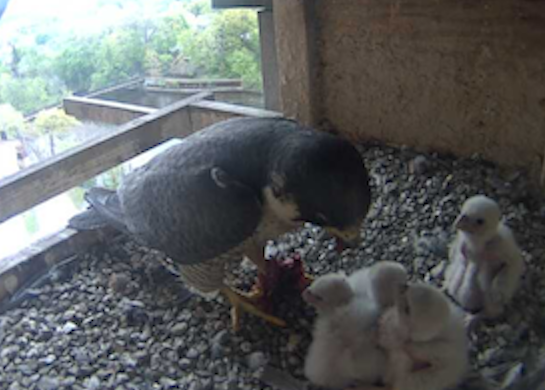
{"points": [[163, 46], [25, 94], [120, 56], [35, 63], [199, 7], [228, 47], [76, 63], [11, 121], [55, 123]]}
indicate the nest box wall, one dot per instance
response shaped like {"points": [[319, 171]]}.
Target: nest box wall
{"points": [[450, 75]]}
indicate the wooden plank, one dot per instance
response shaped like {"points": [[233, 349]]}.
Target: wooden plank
{"points": [[192, 83], [192, 90], [269, 63], [102, 103], [104, 111], [206, 113], [42, 181], [234, 109], [241, 3], [295, 34], [30, 264], [130, 83]]}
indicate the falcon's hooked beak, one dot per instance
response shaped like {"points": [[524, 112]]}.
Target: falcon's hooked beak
{"points": [[347, 238]]}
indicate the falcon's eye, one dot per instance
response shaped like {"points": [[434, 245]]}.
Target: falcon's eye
{"points": [[480, 221]]}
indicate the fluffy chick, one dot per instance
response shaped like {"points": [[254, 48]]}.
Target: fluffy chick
{"points": [[344, 350], [379, 283], [486, 263], [425, 339]]}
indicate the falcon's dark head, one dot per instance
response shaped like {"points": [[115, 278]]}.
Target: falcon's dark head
{"points": [[320, 178]]}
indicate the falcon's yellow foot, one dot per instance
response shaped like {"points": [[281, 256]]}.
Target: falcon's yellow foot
{"points": [[247, 302]]}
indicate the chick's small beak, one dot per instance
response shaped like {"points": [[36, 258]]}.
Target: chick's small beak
{"points": [[311, 298], [347, 238], [463, 223]]}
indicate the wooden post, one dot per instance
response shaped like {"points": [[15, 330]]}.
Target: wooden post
{"points": [[294, 24], [269, 63]]}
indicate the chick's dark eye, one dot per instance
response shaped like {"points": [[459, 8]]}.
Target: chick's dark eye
{"points": [[479, 221]]}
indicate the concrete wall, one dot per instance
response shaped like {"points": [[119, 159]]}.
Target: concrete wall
{"points": [[462, 76]]}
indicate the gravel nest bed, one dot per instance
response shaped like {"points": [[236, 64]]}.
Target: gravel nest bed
{"points": [[116, 319]]}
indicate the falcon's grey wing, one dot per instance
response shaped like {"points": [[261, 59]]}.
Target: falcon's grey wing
{"points": [[104, 210], [193, 214]]}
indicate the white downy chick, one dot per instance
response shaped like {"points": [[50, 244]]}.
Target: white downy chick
{"points": [[486, 263], [344, 351], [425, 338]]}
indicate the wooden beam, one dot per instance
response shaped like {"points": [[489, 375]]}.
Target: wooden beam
{"points": [[130, 83], [43, 181], [269, 63], [295, 34], [29, 264], [206, 113], [241, 3], [103, 111]]}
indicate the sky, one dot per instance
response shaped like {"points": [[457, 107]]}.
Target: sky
{"points": [[3, 5], [27, 18]]}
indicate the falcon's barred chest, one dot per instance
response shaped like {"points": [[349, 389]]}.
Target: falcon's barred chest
{"points": [[209, 276]]}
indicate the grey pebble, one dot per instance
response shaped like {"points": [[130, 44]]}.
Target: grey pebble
{"points": [[68, 327], [48, 383], [179, 329], [245, 347], [80, 335], [93, 383], [257, 360], [168, 383]]}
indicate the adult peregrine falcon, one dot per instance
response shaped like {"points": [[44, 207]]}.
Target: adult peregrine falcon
{"points": [[226, 190]]}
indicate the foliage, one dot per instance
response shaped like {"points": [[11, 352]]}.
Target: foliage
{"points": [[120, 56], [229, 47], [11, 121], [164, 45], [219, 44], [77, 196], [199, 7], [34, 63], [112, 178], [56, 124], [31, 222], [25, 94], [76, 63], [54, 120]]}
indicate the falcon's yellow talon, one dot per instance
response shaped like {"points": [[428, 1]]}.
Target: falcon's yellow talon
{"points": [[243, 303]]}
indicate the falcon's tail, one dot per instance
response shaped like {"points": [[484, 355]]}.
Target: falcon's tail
{"points": [[105, 209]]}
